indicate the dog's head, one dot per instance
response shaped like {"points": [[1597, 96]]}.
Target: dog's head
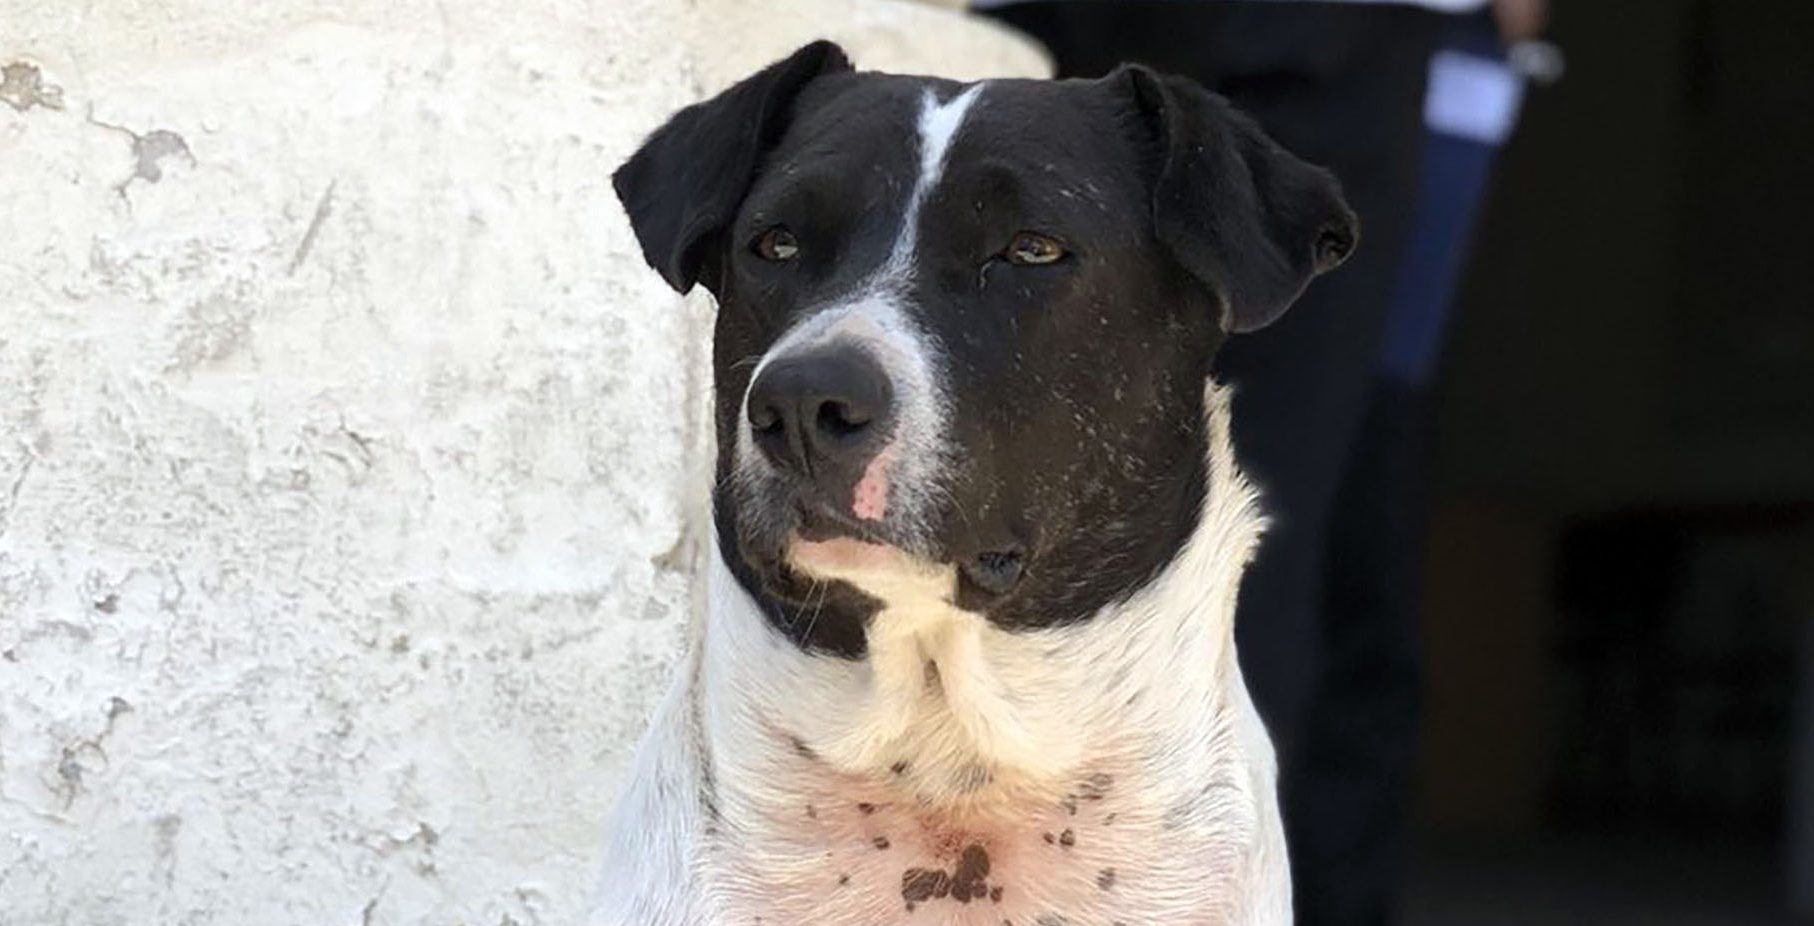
{"points": [[964, 330]]}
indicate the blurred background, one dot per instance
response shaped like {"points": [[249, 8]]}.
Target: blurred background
{"points": [[1618, 610]]}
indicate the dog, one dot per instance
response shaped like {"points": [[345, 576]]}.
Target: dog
{"points": [[965, 653]]}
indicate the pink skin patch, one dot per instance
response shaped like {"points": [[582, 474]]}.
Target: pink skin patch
{"points": [[869, 501]]}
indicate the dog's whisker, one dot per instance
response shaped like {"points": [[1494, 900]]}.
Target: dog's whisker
{"points": [[824, 589]]}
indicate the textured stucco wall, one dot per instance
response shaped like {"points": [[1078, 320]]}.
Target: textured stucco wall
{"points": [[344, 441]]}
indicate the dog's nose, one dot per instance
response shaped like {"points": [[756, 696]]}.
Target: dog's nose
{"points": [[826, 409]]}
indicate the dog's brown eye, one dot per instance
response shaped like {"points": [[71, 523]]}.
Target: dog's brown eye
{"points": [[778, 245], [1031, 249]]}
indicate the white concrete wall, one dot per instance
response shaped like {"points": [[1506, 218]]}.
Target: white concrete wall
{"points": [[342, 441]]}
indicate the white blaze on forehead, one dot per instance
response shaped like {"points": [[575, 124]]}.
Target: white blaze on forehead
{"points": [[875, 303], [938, 126], [875, 317], [939, 123]]}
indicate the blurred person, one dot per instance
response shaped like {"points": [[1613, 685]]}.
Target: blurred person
{"points": [[1329, 410]]}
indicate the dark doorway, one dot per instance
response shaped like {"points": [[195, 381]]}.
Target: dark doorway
{"points": [[1619, 617]]}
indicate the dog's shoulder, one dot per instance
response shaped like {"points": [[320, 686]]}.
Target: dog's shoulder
{"points": [[647, 878]]}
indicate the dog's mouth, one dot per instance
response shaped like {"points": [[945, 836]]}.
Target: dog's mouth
{"points": [[826, 535], [815, 541], [827, 544], [817, 522]]}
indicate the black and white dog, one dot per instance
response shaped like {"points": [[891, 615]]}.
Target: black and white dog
{"points": [[966, 649]]}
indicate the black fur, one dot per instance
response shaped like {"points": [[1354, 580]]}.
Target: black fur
{"points": [[1076, 388], [1237, 210], [683, 186]]}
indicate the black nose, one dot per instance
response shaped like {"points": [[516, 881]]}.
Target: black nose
{"points": [[823, 410]]}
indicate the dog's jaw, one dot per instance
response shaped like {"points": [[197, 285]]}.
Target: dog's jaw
{"points": [[983, 718], [936, 720]]}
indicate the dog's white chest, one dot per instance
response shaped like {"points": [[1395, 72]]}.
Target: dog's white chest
{"points": [[1098, 856]]}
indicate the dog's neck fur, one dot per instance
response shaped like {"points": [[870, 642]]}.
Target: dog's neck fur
{"points": [[1109, 770]]}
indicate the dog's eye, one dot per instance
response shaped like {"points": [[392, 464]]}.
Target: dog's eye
{"points": [[777, 244], [1032, 249]]}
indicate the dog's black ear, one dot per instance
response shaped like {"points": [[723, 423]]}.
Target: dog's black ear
{"points": [[1242, 214], [683, 186]]}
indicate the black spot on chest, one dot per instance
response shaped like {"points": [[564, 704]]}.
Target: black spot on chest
{"points": [[966, 881]]}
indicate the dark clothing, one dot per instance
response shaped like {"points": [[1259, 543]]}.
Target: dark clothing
{"points": [[1454, 172], [1324, 626]]}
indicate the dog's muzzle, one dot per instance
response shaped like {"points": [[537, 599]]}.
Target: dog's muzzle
{"points": [[823, 419]]}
